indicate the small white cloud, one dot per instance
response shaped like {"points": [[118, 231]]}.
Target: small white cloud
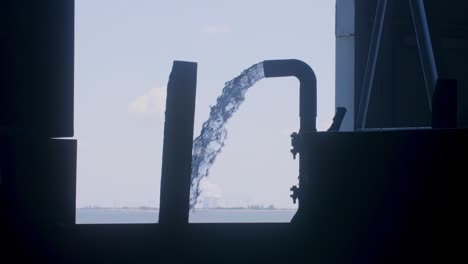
{"points": [[216, 28], [150, 104], [210, 189]]}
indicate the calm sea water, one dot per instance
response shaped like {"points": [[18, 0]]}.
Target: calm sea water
{"points": [[116, 216]]}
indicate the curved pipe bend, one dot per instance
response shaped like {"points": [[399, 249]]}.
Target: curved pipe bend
{"points": [[308, 87]]}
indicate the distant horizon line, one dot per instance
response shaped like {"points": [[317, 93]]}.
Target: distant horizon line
{"points": [[253, 207]]}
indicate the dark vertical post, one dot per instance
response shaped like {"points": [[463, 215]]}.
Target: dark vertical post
{"points": [[38, 173], [177, 150], [37, 45]]}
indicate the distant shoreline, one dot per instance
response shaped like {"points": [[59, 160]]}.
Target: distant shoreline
{"points": [[148, 208]]}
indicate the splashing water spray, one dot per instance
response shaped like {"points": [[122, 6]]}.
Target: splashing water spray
{"points": [[210, 142]]}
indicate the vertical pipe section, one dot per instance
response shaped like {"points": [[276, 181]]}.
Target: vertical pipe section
{"points": [[371, 63], [426, 53], [177, 149]]}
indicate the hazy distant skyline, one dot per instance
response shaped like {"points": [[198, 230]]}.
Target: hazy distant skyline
{"points": [[124, 54]]}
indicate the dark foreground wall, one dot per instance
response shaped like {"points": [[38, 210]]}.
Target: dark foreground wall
{"points": [[37, 173], [385, 196], [374, 197]]}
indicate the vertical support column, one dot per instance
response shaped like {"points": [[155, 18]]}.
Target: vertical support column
{"points": [[177, 150], [37, 93], [344, 79], [371, 63]]}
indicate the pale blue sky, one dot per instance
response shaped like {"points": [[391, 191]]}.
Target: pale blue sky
{"points": [[123, 56]]}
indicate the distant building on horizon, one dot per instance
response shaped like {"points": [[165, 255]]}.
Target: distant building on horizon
{"points": [[210, 202]]}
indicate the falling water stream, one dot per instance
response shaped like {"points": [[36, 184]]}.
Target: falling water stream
{"points": [[210, 142]]}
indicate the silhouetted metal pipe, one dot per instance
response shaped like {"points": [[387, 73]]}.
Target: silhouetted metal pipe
{"points": [[307, 110], [426, 53], [371, 63], [308, 87], [177, 149]]}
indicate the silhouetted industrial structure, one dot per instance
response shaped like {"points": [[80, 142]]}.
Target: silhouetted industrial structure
{"points": [[389, 189]]}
